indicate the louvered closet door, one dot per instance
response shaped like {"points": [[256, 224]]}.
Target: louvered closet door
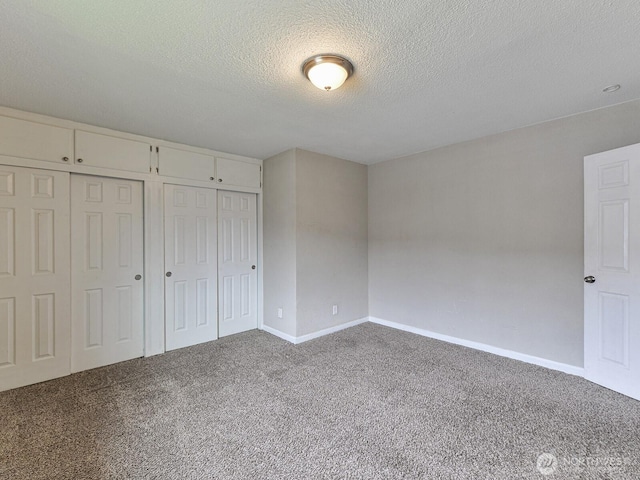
{"points": [[190, 264], [238, 258], [107, 267], [34, 276]]}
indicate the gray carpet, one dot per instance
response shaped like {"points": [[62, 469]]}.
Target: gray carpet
{"points": [[365, 403]]}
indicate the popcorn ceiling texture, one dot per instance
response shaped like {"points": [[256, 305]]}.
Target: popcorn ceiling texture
{"points": [[226, 74]]}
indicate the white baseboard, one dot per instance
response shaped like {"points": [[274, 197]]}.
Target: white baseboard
{"points": [[278, 333], [327, 331], [543, 362], [311, 336]]}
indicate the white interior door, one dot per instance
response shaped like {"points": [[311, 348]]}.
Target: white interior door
{"points": [[612, 269], [190, 263], [107, 265], [237, 257], [34, 276]]}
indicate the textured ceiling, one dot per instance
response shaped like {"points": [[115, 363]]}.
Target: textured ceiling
{"points": [[226, 74]]}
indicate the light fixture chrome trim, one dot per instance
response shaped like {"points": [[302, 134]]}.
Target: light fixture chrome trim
{"points": [[327, 58]]}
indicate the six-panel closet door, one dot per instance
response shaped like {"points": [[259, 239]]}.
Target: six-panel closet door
{"points": [[107, 255], [237, 258], [190, 264], [34, 276]]}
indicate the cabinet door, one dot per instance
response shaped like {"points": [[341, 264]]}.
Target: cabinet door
{"points": [[182, 164], [106, 268], [110, 152], [34, 276], [20, 138], [234, 172]]}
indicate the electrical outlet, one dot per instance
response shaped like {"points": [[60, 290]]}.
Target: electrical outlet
{"points": [[280, 313], [335, 309]]}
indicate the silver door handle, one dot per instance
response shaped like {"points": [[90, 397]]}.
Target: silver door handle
{"points": [[590, 279]]}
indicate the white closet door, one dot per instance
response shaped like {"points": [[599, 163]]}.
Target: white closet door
{"points": [[237, 257], [34, 276], [612, 269], [190, 263], [107, 266]]}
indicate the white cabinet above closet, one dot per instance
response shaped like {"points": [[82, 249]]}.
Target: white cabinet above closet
{"points": [[237, 173], [37, 141], [184, 164], [173, 162], [96, 150]]}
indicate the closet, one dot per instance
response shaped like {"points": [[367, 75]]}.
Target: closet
{"points": [[89, 218], [107, 254], [34, 275], [191, 265], [237, 258]]}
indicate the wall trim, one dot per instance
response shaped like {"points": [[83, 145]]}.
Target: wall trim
{"points": [[523, 357], [502, 352], [278, 333], [311, 336], [327, 331]]}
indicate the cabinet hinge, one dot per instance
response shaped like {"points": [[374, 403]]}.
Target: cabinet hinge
{"points": [[157, 170], [157, 149], [151, 148], [150, 169]]}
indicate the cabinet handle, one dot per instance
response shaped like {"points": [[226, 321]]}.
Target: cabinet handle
{"points": [[253, 267], [79, 160], [65, 159], [168, 274], [219, 179], [138, 277], [211, 178]]}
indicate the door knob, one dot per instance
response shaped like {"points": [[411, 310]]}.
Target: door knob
{"points": [[253, 267], [138, 277], [168, 274], [590, 279]]}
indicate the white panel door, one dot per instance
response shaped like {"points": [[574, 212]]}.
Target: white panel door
{"points": [[93, 149], [612, 269], [107, 289], [238, 259], [190, 263], [34, 276]]}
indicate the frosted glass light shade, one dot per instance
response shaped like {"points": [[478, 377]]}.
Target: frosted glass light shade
{"points": [[327, 72]]}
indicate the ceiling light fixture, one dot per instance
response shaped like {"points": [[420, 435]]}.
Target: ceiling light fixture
{"points": [[611, 89], [327, 72]]}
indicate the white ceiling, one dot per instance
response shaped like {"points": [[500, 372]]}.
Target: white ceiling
{"points": [[226, 74]]}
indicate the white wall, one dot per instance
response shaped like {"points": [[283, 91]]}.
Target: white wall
{"points": [[279, 241], [484, 240], [315, 242], [332, 265]]}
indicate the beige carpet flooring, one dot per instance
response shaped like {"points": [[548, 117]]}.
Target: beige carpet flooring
{"points": [[365, 403]]}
